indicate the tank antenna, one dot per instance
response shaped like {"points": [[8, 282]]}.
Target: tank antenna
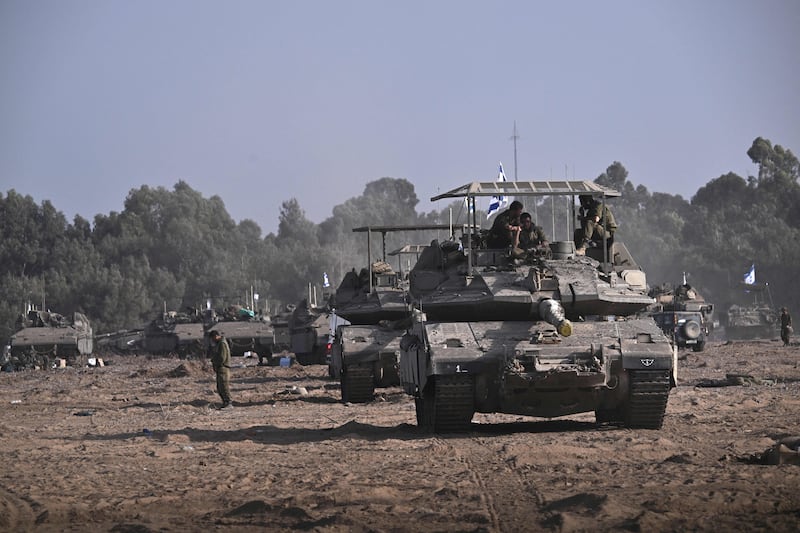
{"points": [[514, 138]]}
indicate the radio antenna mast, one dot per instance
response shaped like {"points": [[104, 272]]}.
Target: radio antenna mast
{"points": [[514, 138]]}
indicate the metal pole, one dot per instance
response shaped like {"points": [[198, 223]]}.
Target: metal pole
{"points": [[514, 137]]}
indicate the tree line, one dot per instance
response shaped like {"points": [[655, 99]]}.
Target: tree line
{"points": [[177, 249]]}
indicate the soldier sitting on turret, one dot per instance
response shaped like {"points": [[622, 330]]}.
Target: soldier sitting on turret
{"points": [[597, 224], [506, 227], [531, 236]]}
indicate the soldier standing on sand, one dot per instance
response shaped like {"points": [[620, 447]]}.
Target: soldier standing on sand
{"points": [[786, 326], [221, 360]]}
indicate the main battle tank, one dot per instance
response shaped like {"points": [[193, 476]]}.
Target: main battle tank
{"points": [[281, 339], [43, 336], [174, 333], [548, 333], [365, 353], [309, 329], [245, 330]]}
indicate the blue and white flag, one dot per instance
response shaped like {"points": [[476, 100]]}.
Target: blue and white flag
{"points": [[325, 281], [750, 277], [497, 201]]}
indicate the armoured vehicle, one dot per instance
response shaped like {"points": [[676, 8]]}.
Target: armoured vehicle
{"points": [[756, 320], [308, 333], [683, 314], [365, 353], [43, 336], [245, 330], [548, 333], [122, 342], [174, 333], [281, 340]]}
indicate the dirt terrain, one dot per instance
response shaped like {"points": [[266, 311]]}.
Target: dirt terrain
{"points": [[139, 445]]}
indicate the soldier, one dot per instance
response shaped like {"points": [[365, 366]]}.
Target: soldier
{"points": [[221, 360], [530, 236], [786, 326], [597, 222], [506, 228]]}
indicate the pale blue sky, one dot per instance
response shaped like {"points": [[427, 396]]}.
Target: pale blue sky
{"points": [[263, 101]]}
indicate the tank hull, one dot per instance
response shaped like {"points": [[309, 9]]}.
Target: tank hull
{"points": [[364, 357], [38, 347], [454, 369]]}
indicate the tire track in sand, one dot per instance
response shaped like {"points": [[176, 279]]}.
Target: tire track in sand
{"points": [[508, 499]]}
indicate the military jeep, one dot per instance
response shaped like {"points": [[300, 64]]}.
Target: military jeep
{"points": [[687, 329]]}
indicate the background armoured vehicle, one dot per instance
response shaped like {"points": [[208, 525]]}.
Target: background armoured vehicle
{"points": [[683, 315], [494, 332], [42, 336], [281, 340], [756, 320], [365, 353], [245, 330], [309, 330], [174, 333]]}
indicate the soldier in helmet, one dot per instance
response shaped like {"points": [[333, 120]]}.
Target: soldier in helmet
{"points": [[597, 223], [221, 361], [786, 326]]}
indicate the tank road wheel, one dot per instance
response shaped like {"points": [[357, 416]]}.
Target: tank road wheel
{"points": [[647, 399], [446, 405], [357, 383]]}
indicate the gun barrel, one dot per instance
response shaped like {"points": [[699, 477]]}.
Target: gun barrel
{"points": [[552, 312]]}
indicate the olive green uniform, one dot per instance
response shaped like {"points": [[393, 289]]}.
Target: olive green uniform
{"points": [[499, 235], [529, 239], [596, 231], [786, 327], [221, 360]]}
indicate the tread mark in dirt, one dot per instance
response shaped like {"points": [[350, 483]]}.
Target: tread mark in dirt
{"points": [[501, 500]]}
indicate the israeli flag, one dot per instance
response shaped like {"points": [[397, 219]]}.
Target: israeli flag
{"points": [[497, 201], [325, 281], [750, 277]]}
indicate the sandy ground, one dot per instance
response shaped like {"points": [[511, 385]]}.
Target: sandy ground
{"points": [[140, 446]]}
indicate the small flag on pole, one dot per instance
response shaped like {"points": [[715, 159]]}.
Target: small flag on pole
{"points": [[750, 277], [325, 281], [497, 201]]}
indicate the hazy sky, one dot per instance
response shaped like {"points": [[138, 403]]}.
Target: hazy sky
{"points": [[263, 101]]}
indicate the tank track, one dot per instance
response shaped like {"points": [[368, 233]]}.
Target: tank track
{"points": [[358, 384], [448, 406], [647, 402]]}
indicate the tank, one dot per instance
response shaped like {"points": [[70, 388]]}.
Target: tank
{"points": [[365, 351], [309, 330], [174, 333], [121, 342], [43, 336], [753, 316], [683, 314], [247, 331], [544, 333], [281, 339]]}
